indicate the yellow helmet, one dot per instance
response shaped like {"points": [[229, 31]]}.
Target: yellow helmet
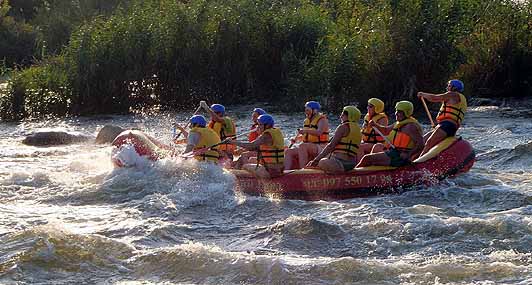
{"points": [[353, 113], [406, 106], [379, 105]]}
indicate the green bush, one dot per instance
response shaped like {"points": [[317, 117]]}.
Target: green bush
{"points": [[171, 54]]}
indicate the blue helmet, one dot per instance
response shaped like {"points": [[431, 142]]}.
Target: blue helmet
{"points": [[217, 108], [457, 85], [198, 120], [313, 105], [259, 111], [266, 120]]}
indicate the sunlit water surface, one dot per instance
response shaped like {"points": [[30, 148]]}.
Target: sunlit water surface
{"points": [[68, 217]]}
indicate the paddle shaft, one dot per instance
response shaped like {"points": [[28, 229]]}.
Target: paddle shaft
{"points": [[384, 137], [188, 123], [202, 150], [428, 112]]}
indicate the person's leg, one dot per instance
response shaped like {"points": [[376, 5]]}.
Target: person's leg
{"points": [[437, 136], [378, 147], [379, 158], [365, 148], [290, 155], [259, 172], [331, 165], [243, 159], [306, 152], [427, 136]]}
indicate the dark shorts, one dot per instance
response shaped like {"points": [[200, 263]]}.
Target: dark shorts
{"points": [[347, 164], [395, 158], [448, 127]]}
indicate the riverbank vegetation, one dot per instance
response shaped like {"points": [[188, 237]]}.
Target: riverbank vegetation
{"points": [[169, 54]]}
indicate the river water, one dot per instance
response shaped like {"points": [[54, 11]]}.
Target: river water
{"points": [[68, 217]]}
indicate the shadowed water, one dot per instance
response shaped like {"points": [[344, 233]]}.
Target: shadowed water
{"points": [[68, 217]]}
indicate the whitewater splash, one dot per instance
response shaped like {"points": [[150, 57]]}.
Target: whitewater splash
{"points": [[68, 217]]}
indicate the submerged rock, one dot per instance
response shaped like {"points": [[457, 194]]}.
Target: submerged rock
{"points": [[49, 138]]}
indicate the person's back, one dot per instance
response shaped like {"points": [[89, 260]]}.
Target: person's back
{"points": [[207, 138], [271, 155]]}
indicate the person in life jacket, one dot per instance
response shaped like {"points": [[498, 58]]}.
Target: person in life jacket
{"points": [[199, 138], [344, 145], [254, 129], [222, 125], [269, 146], [369, 136], [405, 135], [451, 114], [314, 136], [253, 134]]}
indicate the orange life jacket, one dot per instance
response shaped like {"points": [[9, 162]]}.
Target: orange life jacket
{"points": [[401, 140], [368, 133], [453, 112]]}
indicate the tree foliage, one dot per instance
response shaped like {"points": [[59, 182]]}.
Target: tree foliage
{"points": [[171, 54]]}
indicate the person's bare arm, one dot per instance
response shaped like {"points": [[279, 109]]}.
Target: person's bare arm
{"points": [[341, 131], [384, 129], [449, 97], [417, 137], [254, 145]]}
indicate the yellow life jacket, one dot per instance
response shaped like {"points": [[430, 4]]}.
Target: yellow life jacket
{"points": [[453, 112], [224, 130], [350, 143], [313, 125], [401, 140], [208, 138], [272, 154], [368, 133]]}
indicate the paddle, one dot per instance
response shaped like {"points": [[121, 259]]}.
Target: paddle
{"points": [[384, 137], [188, 123], [203, 150], [428, 112]]}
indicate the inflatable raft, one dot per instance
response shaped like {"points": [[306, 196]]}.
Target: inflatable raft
{"points": [[450, 157]]}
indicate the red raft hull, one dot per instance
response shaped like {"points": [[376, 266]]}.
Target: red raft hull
{"points": [[449, 158], [312, 184], [143, 144]]}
